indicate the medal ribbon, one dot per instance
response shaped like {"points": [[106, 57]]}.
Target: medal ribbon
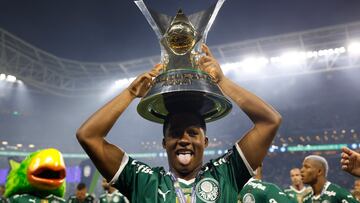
{"points": [[179, 193]]}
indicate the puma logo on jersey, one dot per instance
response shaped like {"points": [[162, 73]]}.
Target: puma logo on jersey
{"points": [[163, 194]]}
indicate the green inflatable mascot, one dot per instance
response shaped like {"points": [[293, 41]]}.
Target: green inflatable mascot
{"points": [[39, 178]]}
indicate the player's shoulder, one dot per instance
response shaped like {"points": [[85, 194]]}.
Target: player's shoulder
{"points": [[289, 190], [89, 197], [22, 196], [72, 197], [57, 198], [308, 197]]}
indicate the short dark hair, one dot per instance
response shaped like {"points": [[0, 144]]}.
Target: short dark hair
{"points": [[81, 186], [170, 115]]}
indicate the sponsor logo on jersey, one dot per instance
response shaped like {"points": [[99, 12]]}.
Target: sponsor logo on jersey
{"points": [[330, 193], [248, 198], [325, 201], [257, 185], [142, 167], [208, 190]]}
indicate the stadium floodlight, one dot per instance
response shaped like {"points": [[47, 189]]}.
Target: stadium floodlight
{"points": [[19, 145], [10, 78], [4, 142], [227, 67], [290, 58], [354, 146], [31, 146], [354, 48], [123, 82], [2, 76], [254, 64]]}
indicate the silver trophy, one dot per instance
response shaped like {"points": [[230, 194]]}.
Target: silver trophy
{"points": [[182, 86]]}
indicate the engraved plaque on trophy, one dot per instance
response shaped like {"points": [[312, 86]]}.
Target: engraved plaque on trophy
{"points": [[182, 86]]}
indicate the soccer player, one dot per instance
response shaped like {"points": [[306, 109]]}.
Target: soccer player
{"points": [[255, 190], [2, 191], [314, 172], [350, 161], [184, 140], [112, 195], [81, 195], [297, 190], [356, 190]]}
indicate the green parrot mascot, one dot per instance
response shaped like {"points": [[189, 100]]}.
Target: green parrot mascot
{"points": [[39, 178]]}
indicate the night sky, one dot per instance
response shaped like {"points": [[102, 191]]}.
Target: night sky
{"points": [[115, 30]]}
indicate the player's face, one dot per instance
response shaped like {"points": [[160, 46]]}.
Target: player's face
{"points": [[185, 142], [81, 194], [309, 171], [357, 185], [295, 176]]}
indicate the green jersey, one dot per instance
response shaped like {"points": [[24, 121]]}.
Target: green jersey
{"points": [[26, 198], [331, 193], [297, 196], [3, 200], [220, 180], [88, 199], [115, 197], [261, 192]]}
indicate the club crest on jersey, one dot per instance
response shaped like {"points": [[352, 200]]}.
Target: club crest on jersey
{"points": [[248, 198], [116, 199], [208, 190]]}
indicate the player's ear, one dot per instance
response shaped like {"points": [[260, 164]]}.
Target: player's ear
{"points": [[206, 141]]}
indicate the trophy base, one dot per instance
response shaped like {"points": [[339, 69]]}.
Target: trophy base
{"points": [[184, 90]]}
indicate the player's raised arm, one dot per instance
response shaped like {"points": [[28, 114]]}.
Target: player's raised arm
{"points": [[91, 135], [256, 142]]}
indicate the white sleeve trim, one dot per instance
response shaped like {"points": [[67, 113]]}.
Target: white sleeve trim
{"points": [[124, 161], [251, 171]]}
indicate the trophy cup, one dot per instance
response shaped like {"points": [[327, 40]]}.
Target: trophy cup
{"points": [[182, 86]]}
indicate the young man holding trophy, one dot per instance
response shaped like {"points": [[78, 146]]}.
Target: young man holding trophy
{"points": [[183, 93]]}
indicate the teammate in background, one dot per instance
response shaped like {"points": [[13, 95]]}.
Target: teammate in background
{"points": [[350, 161], [256, 190], [81, 195], [2, 191], [184, 140], [314, 172], [356, 190], [297, 190], [111, 195]]}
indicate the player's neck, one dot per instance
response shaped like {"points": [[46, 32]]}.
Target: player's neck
{"points": [[318, 186], [111, 190], [187, 175]]}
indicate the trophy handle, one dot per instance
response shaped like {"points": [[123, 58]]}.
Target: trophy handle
{"points": [[218, 5], [149, 18]]}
